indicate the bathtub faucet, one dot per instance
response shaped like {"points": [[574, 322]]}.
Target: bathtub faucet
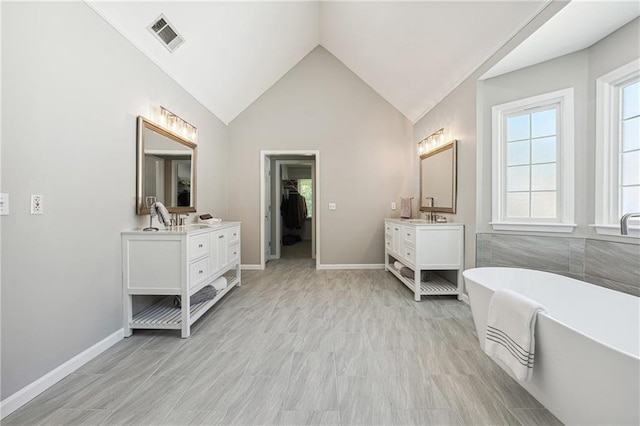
{"points": [[624, 222]]}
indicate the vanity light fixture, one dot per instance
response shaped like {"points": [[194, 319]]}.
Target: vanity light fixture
{"points": [[431, 142], [177, 125]]}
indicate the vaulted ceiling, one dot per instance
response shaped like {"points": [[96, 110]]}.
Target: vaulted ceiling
{"points": [[412, 53]]}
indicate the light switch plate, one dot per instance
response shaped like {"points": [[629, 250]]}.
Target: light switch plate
{"points": [[332, 206], [4, 204]]}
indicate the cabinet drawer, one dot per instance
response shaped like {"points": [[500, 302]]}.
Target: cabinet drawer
{"points": [[198, 246], [409, 254], [234, 235], [388, 229], [388, 243], [409, 235], [198, 271], [234, 253]]}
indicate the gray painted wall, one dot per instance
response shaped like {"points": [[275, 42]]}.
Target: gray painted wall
{"points": [[580, 71], [457, 113], [607, 261], [561, 73], [365, 156], [617, 49], [72, 88]]}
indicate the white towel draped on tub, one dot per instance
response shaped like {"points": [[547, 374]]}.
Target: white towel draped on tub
{"points": [[510, 331]]}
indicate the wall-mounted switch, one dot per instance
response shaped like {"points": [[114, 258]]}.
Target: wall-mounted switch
{"points": [[4, 204], [37, 206], [393, 206], [332, 206]]}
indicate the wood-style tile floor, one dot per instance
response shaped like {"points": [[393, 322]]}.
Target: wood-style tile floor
{"points": [[298, 346]]}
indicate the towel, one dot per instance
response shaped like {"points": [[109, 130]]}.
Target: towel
{"points": [[204, 294], [220, 283], [158, 209], [407, 272], [405, 208], [510, 331]]}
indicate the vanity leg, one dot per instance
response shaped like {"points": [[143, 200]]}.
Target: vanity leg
{"points": [[128, 313]]}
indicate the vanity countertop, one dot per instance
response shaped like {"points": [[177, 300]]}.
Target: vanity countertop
{"points": [[415, 222], [184, 229]]}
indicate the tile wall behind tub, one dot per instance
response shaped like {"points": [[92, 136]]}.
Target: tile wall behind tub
{"points": [[605, 263]]}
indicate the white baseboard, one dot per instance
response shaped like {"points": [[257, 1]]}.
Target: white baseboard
{"points": [[250, 267], [465, 298], [27, 393], [351, 266]]}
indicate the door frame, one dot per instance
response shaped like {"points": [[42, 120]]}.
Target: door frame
{"points": [[316, 187]]}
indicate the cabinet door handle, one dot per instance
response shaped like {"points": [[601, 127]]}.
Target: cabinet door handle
{"points": [[221, 236], [200, 271], [200, 245]]}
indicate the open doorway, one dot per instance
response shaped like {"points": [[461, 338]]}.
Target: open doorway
{"points": [[294, 194], [289, 197]]}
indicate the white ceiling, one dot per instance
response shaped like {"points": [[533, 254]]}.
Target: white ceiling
{"points": [[577, 26], [412, 53]]}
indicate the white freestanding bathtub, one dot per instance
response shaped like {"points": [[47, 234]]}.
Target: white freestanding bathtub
{"points": [[587, 362]]}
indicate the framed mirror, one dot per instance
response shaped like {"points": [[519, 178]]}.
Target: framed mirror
{"points": [[438, 170], [166, 169]]}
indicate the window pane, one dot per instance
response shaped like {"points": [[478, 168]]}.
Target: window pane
{"points": [[305, 189], [517, 153], [543, 177], [543, 205], [518, 127], [630, 199], [518, 178], [631, 134], [630, 172], [631, 100], [543, 150], [518, 204], [543, 123]]}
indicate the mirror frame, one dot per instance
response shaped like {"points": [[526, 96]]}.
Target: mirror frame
{"points": [[143, 124], [453, 146]]}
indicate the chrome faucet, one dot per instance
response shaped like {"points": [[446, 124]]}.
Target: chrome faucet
{"points": [[624, 222], [178, 220]]}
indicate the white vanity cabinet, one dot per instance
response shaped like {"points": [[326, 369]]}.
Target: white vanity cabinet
{"points": [[426, 246], [177, 262]]}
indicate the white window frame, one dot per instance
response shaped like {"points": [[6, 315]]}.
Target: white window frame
{"points": [[565, 220], [607, 220]]}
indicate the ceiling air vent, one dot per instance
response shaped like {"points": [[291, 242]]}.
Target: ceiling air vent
{"points": [[166, 33]]}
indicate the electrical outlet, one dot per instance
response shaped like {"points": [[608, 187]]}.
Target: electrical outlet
{"points": [[332, 206], [37, 206], [393, 206]]}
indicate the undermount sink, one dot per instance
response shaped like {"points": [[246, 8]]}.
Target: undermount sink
{"points": [[190, 226]]}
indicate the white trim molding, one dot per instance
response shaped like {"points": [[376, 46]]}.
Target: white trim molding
{"points": [[603, 229], [315, 154], [564, 221], [27, 393], [607, 214], [246, 267], [534, 227], [351, 266]]}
